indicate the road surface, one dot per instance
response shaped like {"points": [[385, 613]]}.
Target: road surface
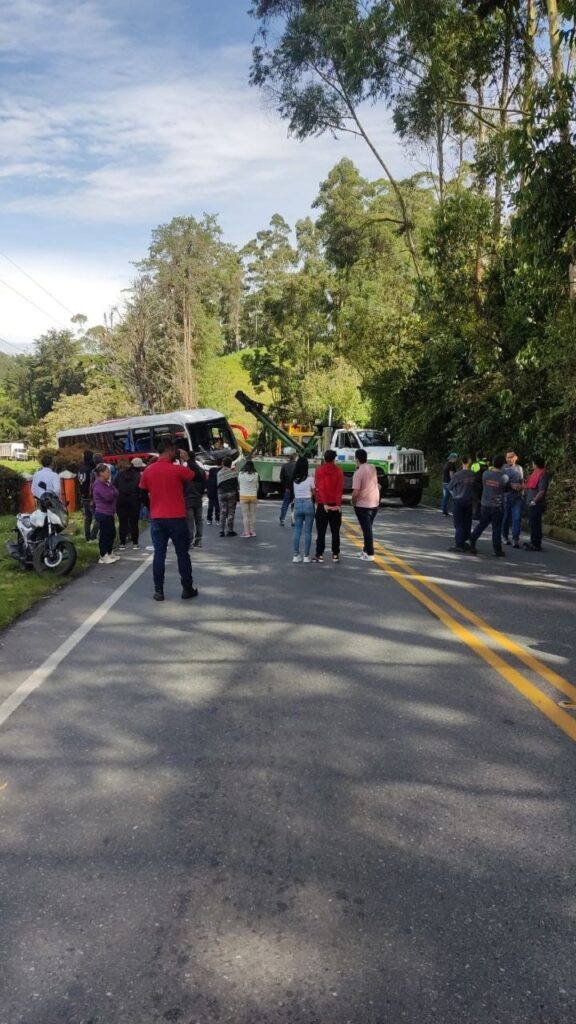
{"points": [[317, 794]]}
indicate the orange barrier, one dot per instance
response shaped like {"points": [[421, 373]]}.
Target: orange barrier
{"points": [[27, 503], [69, 494]]}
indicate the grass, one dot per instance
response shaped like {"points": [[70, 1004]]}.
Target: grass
{"points": [[225, 375], [29, 466], [20, 589]]}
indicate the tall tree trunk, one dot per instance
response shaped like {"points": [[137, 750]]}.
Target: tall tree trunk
{"points": [[440, 148], [479, 266], [529, 65], [188, 382], [553, 31], [529, 55], [557, 67], [502, 124]]}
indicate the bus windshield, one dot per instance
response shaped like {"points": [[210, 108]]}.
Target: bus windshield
{"points": [[373, 438]]}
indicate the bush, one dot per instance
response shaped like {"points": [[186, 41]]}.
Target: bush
{"points": [[10, 488], [64, 458]]}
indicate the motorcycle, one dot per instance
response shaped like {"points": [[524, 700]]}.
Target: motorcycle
{"points": [[40, 545]]}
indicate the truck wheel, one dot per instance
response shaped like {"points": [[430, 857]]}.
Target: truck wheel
{"points": [[412, 498]]}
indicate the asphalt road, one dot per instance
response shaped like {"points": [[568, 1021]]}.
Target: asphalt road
{"points": [[317, 794]]}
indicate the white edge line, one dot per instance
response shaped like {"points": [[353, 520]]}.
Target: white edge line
{"points": [[44, 671]]}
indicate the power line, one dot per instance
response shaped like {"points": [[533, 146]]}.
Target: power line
{"points": [[37, 283], [32, 303], [4, 341]]}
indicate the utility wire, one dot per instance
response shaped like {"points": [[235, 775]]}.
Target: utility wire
{"points": [[4, 341], [32, 303], [37, 283]]}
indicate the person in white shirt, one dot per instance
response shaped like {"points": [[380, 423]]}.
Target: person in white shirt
{"points": [[303, 487], [46, 476], [248, 481]]}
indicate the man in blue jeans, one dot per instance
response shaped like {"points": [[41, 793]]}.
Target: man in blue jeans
{"points": [[366, 501], [165, 482], [461, 489], [448, 471], [494, 484], [513, 500]]}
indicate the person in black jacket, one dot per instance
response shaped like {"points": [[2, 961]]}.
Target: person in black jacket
{"points": [[193, 494], [129, 497], [84, 476], [213, 499], [286, 475]]}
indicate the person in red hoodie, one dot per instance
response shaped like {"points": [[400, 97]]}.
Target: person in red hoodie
{"points": [[329, 484]]}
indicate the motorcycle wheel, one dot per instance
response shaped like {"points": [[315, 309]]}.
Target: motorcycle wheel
{"points": [[59, 561]]}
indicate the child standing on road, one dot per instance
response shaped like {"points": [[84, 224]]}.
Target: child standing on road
{"points": [[248, 482]]}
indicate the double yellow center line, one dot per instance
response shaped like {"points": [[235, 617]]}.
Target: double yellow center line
{"points": [[421, 587]]}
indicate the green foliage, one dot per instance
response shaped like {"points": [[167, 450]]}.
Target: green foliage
{"points": [[338, 385], [10, 487], [222, 378], [105, 402]]}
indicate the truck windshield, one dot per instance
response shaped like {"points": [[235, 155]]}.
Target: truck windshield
{"points": [[372, 438]]}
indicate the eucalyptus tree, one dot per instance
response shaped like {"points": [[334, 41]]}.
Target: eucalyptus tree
{"points": [[332, 57]]}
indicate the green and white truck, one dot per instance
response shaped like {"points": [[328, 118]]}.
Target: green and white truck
{"points": [[402, 472]]}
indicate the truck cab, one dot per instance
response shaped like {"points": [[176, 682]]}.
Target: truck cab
{"points": [[401, 471]]}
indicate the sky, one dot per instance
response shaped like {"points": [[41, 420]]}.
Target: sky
{"points": [[117, 115]]}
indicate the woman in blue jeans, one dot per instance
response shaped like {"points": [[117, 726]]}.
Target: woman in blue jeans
{"points": [[303, 487]]}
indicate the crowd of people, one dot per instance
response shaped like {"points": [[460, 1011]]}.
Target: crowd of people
{"points": [[170, 491], [496, 493]]}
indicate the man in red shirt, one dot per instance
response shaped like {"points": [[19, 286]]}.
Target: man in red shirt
{"points": [[165, 482], [329, 485]]}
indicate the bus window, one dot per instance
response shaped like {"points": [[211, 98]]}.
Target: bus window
{"points": [[174, 431], [102, 443], [142, 439], [121, 442]]}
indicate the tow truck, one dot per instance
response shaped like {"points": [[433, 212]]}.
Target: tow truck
{"points": [[402, 472]]}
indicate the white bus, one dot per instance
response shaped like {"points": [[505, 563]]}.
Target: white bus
{"points": [[205, 432]]}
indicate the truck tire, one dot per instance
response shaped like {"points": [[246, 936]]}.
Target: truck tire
{"points": [[266, 489], [412, 498], [383, 485]]}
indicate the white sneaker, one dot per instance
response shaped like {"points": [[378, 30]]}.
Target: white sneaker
{"points": [[121, 547], [366, 558], [306, 558], [102, 560], [297, 558], [109, 559]]}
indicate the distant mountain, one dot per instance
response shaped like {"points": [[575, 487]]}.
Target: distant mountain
{"points": [[10, 349]]}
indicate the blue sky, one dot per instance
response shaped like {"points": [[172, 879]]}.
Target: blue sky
{"points": [[117, 116]]}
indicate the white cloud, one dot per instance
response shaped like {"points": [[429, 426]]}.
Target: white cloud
{"points": [[104, 134], [131, 153]]}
